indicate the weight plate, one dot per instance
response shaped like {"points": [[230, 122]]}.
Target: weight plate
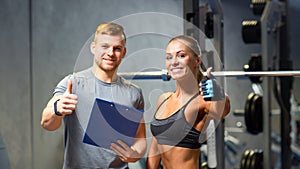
{"points": [[253, 161], [248, 120], [256, 114], [259, 159], [244, 159], [249, 159]]}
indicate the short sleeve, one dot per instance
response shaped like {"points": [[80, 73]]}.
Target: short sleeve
{"points": [[61, 86], [140, 101]]}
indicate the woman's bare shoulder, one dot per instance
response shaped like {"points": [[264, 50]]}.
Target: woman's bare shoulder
{"points": [[163, 97]]}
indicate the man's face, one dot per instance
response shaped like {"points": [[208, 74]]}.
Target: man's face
{"points": [[108, 51]]}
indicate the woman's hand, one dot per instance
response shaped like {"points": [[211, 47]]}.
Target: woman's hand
{"points": [[210, 89]]}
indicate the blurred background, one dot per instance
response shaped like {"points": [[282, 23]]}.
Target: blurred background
{"points": [[41, 41]]}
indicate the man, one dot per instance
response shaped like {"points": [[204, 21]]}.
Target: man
{"points": [[74, 97]]}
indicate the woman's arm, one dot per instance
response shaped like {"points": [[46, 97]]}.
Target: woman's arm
{"points": [[218, 109], [226, 109]]}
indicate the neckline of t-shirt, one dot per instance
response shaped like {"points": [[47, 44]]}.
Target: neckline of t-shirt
{"points": [[106, 83]]}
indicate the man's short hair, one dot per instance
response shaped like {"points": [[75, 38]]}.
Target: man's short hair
{"points": [[110, 28]]}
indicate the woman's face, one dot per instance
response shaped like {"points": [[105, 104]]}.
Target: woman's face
{"points": [[181, 60]]}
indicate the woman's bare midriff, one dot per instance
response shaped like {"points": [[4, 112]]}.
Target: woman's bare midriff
{"points": [[179, 157]]}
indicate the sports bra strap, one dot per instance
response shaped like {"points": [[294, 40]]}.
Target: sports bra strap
{"points": [[182, 106], [192, 98], [163, 101]]}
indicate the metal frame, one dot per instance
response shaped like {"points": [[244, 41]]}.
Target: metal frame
{"points": [[270, 22]]}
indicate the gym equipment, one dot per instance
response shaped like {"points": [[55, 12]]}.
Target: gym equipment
{"points": [[258, 6], [253, 113], [209, 26], [165, 76], [251, 31], [254, 64], [252, 159], [146, 75], [256, 73]]}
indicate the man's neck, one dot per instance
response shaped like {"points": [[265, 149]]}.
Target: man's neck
{"points": [[105, 76]]}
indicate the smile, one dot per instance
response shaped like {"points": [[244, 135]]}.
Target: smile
{"points": [[109, 59], [176, 70]]}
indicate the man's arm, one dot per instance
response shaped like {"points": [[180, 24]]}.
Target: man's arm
{"points": [[50, 121], [137, 150], [65, 104], [140, 144]]}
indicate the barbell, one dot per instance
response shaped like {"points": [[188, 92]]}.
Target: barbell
{"points": [[256, 73], [163, 74]]}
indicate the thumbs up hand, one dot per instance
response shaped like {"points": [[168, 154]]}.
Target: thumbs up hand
{"points": [[69, 87], [67, 103], [210, 88]]}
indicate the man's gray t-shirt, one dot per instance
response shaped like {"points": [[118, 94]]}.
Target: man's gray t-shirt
{"points": [[87, 87]]}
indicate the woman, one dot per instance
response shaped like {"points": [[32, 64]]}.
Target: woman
{"points": [[181, 115]]}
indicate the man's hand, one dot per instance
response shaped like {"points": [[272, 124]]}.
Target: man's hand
{"points": [[67, 103], [126, 153]]}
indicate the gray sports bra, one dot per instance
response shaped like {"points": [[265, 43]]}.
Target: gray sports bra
{"points": [[175, 130]]}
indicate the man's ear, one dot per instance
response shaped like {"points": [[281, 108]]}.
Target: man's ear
{"points": [[93, 47]]}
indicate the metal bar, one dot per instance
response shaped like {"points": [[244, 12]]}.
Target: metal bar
{"points": [[165, 76], [258, 73], [146, 75]]}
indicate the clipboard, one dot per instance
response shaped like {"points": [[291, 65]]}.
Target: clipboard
{"points": [[110, 122]]}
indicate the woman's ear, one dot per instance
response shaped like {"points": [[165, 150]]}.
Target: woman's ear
{"points": [[124, 52], [199, 60], [93, 47]]}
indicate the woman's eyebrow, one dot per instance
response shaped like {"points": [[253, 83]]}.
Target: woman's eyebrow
{"points": [[176, 52]]}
